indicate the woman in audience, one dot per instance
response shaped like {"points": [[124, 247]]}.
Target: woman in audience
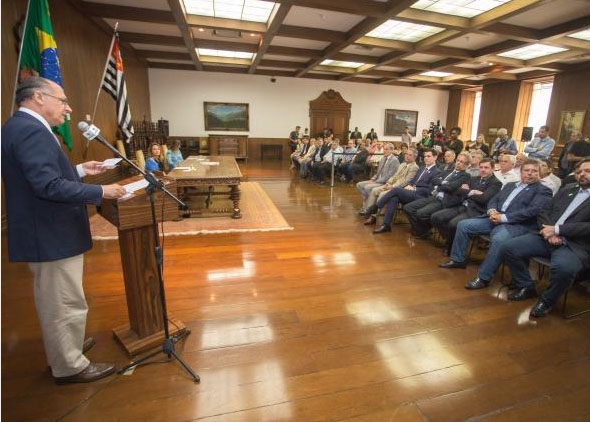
{"points": [[155, 161], [174, 156], [480, 144]]}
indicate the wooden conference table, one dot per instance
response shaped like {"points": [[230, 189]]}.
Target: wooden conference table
{"points": [[199, 177]]}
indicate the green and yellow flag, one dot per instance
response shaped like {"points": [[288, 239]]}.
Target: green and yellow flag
{"points": [[39, 55]]}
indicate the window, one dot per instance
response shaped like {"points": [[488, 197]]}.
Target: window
{"points": [[476, 108], [540, 98]]}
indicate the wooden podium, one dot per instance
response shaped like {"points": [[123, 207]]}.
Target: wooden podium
{"points": [[133, 218]]}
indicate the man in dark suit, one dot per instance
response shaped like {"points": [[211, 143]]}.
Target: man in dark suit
{"points": [[419, 187], [564, 237], [477, 193], [511, 213], [48, 224], [447, 192]]}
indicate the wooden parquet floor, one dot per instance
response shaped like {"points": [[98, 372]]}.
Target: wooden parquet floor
{"points": [[326, 322]]}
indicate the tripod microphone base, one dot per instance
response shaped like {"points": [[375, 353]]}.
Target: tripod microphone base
{"points": [[135, 345]]}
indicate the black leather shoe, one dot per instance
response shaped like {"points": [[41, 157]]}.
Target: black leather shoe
{"points": [[540, 309], [93, 372], [382, 229], [370, 221], [453, 264], [523, 294], [477, 283]]}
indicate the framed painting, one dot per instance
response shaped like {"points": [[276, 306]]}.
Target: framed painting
{"points": [[397, 120], [569, 122], [227, 116]]}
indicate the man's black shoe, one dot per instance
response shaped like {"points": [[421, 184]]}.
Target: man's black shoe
{"points": [[477, 283], [540, 309], [523, 294], [453, 264], [382, 229]]}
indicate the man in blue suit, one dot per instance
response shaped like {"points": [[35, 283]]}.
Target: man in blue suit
{"points": [[48, 224], [419, 187], [511, 213], [563, 236]]}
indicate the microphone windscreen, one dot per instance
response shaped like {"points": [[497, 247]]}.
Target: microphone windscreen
{"points": [[83, 126]]}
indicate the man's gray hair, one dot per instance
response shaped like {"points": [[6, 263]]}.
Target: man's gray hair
{"points": [[502, 131], [28, 88]]}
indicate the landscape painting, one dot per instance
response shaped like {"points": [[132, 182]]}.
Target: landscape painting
{"points": [[227, 116]]}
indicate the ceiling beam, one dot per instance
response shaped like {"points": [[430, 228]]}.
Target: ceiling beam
{"points": [[277, 19], [195, 21], [310, 33], [226, 45], [113, 11], [187, 36], [166, 55], [358, 58], [135, 37], [294, 52], [355, 7]]}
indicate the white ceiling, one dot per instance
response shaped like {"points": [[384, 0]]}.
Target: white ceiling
{"points": [[304, 33]]}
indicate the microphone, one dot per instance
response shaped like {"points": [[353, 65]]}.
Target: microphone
{"points": [[90, 132]]}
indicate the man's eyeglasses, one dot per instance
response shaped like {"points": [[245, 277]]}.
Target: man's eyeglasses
{"points": [[63, 101]]}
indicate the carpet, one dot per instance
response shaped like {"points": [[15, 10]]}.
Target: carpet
{"points": [[259, 214]]}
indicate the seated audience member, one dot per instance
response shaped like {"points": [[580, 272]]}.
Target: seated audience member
{"points": [[344, 160], [174, 156], [386, 168], [305, 161], [579, 150], [329, 159], [322, 148], [564, 237], [375, 153], [300, 152], [519, 159], [447, 192], [507, 174], [477, 193], [401, 153], [419, 187], [155, 161], [542, 145], [511, 213], [358, 165], [449, 161], [547, 177], [404, 175], [476, 156], [503, 145], [480, 145], [564, 164]]}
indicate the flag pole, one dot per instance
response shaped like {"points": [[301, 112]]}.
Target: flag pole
{"points": [[20, 54], [103, 72]]}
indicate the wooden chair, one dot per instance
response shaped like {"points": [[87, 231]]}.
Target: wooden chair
{"points": [[140, 158], [121, 148], [545, 263]]}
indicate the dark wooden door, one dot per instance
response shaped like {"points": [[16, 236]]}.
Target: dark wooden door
{"points": [[332, 111]]}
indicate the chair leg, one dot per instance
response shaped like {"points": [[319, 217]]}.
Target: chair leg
{"points": [[564, 314]]}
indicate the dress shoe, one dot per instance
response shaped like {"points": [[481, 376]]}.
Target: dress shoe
{"points": [[477, 283], [540, 309], [382, 229], [370, 221], [453, 264], [523, 294], [93, 372]]}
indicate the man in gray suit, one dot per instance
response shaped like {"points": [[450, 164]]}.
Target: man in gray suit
{"points": [[387, 167]]}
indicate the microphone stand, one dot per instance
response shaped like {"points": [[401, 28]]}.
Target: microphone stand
{"points": [[169, 341]]}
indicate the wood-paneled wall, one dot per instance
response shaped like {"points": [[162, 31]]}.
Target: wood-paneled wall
{"points": [[83, 49], [498, 107], [571, 92]]}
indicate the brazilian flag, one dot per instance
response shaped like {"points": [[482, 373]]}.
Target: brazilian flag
{"points": [[39, 55]]}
